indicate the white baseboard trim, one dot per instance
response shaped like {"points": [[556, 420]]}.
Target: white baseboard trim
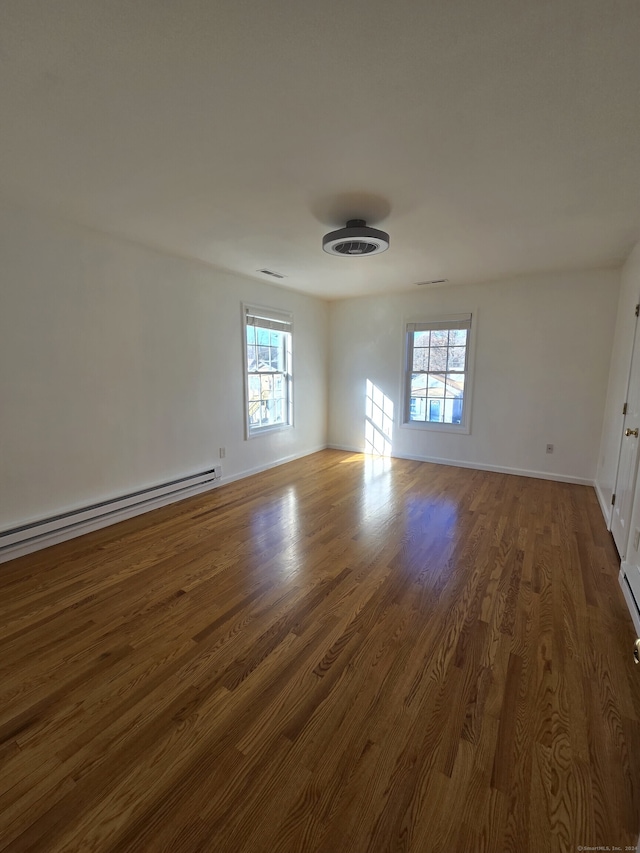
{"points": [[604, 506], [248, 472], [45, 540], [478, 466]]}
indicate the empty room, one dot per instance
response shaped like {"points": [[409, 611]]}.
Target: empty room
{"points": [[319, 426]]}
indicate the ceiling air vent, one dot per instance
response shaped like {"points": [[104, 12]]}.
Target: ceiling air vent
{"points": [[356, 240], [272, 273]]}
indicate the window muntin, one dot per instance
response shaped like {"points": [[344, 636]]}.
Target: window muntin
{"points": [[437, 371], [269, 378]]}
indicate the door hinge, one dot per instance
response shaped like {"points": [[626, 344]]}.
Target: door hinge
{"points": [[613, 500], [624, 409], [637, 310]]}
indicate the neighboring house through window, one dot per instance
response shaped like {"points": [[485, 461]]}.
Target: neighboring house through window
{"points": [[437, 373], [268, 369]]}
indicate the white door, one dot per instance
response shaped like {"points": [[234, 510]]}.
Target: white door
{"points": [[628, 461]]}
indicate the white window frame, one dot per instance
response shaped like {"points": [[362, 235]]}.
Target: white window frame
{"points": [[448, 321], [270, 318]]}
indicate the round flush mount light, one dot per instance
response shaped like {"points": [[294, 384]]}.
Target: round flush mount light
{"points": [[356, 240]]}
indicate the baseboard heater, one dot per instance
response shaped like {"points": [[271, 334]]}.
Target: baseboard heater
{"points": [[57, 528], [632, 601]]}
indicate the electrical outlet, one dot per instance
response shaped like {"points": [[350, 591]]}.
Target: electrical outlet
{"points": [[636, 539], [223, 452], [217, 472], [549, 448]]}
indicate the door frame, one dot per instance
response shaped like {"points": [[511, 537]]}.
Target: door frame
{"points": [[635, 342]]}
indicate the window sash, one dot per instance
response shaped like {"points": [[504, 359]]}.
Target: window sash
{"points": [[278, 321], [456, 321], [452, 322]]}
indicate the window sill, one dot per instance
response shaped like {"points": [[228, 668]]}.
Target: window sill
{"points": [[460, 429], [267, 430]]}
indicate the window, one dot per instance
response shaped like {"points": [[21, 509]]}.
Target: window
{"points": [[437, 376], [269, 397]]}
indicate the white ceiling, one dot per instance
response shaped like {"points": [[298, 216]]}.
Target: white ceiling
{"points": [[489, 137]]}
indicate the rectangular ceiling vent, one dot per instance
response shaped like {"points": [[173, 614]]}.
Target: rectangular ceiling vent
{"points": [[272, 273]]}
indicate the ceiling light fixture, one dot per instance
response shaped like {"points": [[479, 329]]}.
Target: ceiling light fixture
{"points": [[356, 240]]}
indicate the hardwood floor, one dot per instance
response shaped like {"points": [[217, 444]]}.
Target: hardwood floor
{"points": [[343, 654]]}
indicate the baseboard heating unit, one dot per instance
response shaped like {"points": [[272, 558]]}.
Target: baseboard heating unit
{"points": [[630, 582], [40, 534]]}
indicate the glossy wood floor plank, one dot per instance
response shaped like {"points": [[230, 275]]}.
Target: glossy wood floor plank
{"points": [[340, 654]]}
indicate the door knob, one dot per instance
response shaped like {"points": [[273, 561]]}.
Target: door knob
{"points": [[636, 651], [633, 432]]}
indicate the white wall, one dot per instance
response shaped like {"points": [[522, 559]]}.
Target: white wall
{"points": [[543, 345], [618, 380], [121, 367]]}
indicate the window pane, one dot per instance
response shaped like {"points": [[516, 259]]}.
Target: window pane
{"points": [[435, 410], [266, 384], [263, 358], [418, 408], [421, 339], [420, 358], [263, 336], [457, 337], [279, 385], [251, 357], [440, 338], [277, 358], [436, 384], [457, 358], [419, 385], [455, 384], [276, 339], [438, 359], [251, 334], [254, 387]]}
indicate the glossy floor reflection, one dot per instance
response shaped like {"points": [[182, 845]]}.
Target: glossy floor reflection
{"points": [[347, 653]]}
